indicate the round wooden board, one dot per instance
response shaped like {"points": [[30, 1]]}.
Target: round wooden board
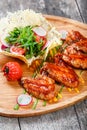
{"points": [[10, 90]]}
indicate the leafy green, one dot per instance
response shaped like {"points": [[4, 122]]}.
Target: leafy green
{"points": [[24, 37]]}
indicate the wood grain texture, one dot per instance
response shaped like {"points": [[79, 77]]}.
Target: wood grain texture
{"points": [[65, 8], [82, 6], [57, 120], [9, 124], [62, 120], [81, 111]]}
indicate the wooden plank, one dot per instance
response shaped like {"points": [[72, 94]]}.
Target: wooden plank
{"points": [[62, 120], [81, 111], [65, 8], [81, 108], [56, 118], [9, 123], [14, 5], [82, 6]]}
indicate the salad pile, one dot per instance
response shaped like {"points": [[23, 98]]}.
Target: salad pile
{"points": [[28, 41]]}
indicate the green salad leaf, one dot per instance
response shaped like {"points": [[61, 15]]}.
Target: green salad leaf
{"points": [[24, 37]]}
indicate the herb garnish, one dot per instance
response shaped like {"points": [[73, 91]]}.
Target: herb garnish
{"points": [[35, 104], [24, 37]]}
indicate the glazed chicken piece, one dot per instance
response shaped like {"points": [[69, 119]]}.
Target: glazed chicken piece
{"points": [[76, 60], [75, 55], [80, 46], [61, 73], [74, 36], [42, 87]]}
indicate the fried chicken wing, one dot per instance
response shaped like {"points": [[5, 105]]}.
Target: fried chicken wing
{"points": [[74, 36], [80, 46], [42, 87], [76, 60], [61, 73], [76, 55]]}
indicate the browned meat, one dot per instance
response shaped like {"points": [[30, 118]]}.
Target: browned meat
{"points": [[74, 36], [76, 60], [42, 87], [61, 73], [80, 46], [76, 55]]}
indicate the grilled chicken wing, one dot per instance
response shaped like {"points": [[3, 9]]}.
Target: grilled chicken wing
{"points": [[61, 73], [42, 87], [74, 36], [80, 46], [76, 60], [75, 55]]}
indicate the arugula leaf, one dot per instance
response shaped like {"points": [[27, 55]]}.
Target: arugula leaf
{"points": [[24, 37]]}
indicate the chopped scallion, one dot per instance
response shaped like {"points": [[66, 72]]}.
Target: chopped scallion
{"points": [[44, 103], [35, 104], [16, 107]]}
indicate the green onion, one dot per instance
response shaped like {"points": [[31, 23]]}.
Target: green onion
{"points": [[16, 107], [60, 91], [44, 103], [35, 104], [34, 74], [81, 71], [38, 69], [24, 91]]}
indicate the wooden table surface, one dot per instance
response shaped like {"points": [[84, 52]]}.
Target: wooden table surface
{"points": [[71, 118]]}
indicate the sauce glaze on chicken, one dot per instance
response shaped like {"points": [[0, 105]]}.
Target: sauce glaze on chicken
{"points": [[75, 54], [41, 87], [61, 70]]}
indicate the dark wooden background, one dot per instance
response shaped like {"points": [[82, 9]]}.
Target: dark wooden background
{"points": [[71, 118]]}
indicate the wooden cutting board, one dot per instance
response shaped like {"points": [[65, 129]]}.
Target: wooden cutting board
{"points": [[10, 90]]}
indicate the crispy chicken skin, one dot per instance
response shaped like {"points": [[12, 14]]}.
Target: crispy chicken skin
{"points": [[61, 73], [74, 36], [41, 87], [76, 55], [76, 60], [78, 46]]}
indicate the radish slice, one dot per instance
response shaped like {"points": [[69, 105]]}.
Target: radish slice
{"points": [[24, 100], [63, 33], [3, 40], [39, 31], [3, 47], [46, 45]]}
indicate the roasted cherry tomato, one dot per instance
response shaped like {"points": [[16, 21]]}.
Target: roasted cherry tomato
{"points": [[12, 71], [39, 39]]}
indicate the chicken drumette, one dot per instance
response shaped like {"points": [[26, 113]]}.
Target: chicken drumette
{"points": [[60, 72], [41, 87], [75, 54]]}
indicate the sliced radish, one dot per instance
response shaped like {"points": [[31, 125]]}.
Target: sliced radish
{"points": [[3, 40], [24, 100], [39, 31], [46, 45], [3, 47], [63, 33]]}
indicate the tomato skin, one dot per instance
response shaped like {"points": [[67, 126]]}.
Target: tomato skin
{"points": [[39, 38], [17, 50], [12, 71]]}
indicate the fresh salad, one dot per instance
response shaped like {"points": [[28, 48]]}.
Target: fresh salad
{"points": [[28, 41]]}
